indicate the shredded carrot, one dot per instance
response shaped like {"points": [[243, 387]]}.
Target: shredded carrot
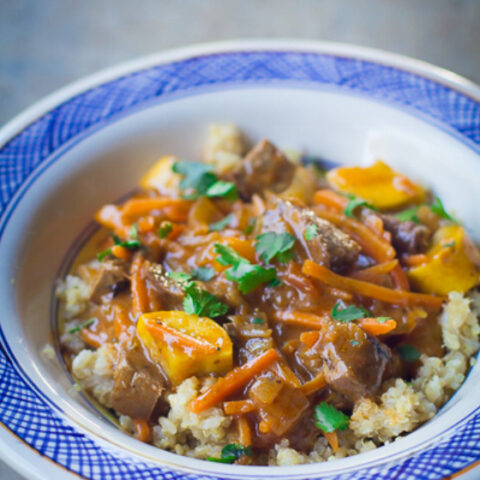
{"points": [[237, 407], [138, 286], [302, 319], [395, 297], [244, 431], [94, 339], [381, 268], [373, 327], [146, 224], [122, 324], [177, 230], [121, 252], [374, 223], [314, 385], [332, 438], [414, 260], [143, 432], [172, 336], [330, 199], [309, 338], [233, 381], [400, 279], [175, 208]]}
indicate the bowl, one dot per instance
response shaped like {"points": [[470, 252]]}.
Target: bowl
{"points": [[89, 144]]}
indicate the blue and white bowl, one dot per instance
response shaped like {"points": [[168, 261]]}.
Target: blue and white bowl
{"points": [[89, 143]]}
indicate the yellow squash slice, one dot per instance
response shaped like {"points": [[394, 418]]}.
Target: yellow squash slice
{"points": [[162, 178]]}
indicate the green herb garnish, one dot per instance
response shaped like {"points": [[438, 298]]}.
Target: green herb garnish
{"points": [[251, 225], [279, 245], [202, 303], [82, 326], [223, 189], [354, 203], [165, 229], [133, 232], [438, 209], [328, 418], [348, 314], [409, 215], [248, 276], [203, 274], [180, 277], [448, 245], [257, 320], [382, 319], [409, 353], [130, 244], [221, 224], [354, 343], [231, 452], [310, 232]]}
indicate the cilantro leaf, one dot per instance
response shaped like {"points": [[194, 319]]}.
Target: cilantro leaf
{"points": [[257, 320], [180, 277], [251, 224], [130, 244], [409, 215], [348, 314], [310, 232], [273, 244], [202, 303], [85, 324], [354, 203], [203, 274], [228, 256], [249, 277], [231, 452], [133, 232], [328, 418], [382, 319], [409, 353], [448, 245], [222, 189], [221, 224], [354, 343], [165, 229], [438, 209]]}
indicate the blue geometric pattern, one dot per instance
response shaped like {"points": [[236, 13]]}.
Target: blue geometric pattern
{"points": [[27, 414]]}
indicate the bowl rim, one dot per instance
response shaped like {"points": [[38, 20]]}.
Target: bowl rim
{"points": [[20, 122]]}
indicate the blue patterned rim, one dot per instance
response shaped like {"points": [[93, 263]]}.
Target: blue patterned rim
{"points": [[23, 410]]}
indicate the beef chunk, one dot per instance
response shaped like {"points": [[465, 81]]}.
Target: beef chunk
{"points": [[330, 246], [407, 237], [354, 363], [168, 290], [264, 167], [111, 274], [138, 382]]}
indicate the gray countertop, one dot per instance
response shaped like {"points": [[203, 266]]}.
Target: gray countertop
{"points": [[45, 44]]}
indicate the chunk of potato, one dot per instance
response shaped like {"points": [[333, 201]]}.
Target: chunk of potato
{"points": [[452, 263], [302, 187], [188, 345], [162, 178], [378, 184]]}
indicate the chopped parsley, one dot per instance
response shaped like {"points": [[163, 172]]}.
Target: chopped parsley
{"points": [[354, 203], [202, 303], [438, 209], [408, 353], [328, 418], [165, 229], [198, 179], [258, 321], [354, 343], [82, 326], [448, 245], [231, 452], [409, 215], [251, 225], [348, 314], [130, 244], [203, 274], [180, 277], [221, 224], [275, 245], [248, 276], [382, 319], [310, 232], [133, 232]]}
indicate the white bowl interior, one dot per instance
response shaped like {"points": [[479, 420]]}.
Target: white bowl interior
{"points": [[105, 164]]}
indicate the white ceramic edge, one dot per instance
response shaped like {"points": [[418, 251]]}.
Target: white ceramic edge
{"points": [[20, 122]]}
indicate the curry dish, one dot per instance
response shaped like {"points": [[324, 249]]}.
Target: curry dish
{"points": [[254, 308]]}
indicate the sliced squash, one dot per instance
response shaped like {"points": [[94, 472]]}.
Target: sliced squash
{"points": [[185, 344], [162, 178], [452, 263], [378, 184]]}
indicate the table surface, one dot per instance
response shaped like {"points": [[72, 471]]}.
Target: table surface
{"points": [[44, 45]]}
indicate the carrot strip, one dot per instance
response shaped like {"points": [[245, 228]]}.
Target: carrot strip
{"points": [[122, 324], [332, 439], [143, 432], [238, 407], [176, 337], [138, 286], [373, 327], [302, 319], [174, 207], [244, 431], [380, 268], [329, 198], [94, 339], [233, 381], [414, 260], [400, 279], [309, 338], [121, 252], [146, 224], [395, 297], [314, 385]]}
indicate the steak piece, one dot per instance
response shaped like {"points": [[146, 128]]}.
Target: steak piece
{"points": [[329, 246], [138, 382], [354, 363], [168, 290], [407, 237], [264, 167], [110, 274]]}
